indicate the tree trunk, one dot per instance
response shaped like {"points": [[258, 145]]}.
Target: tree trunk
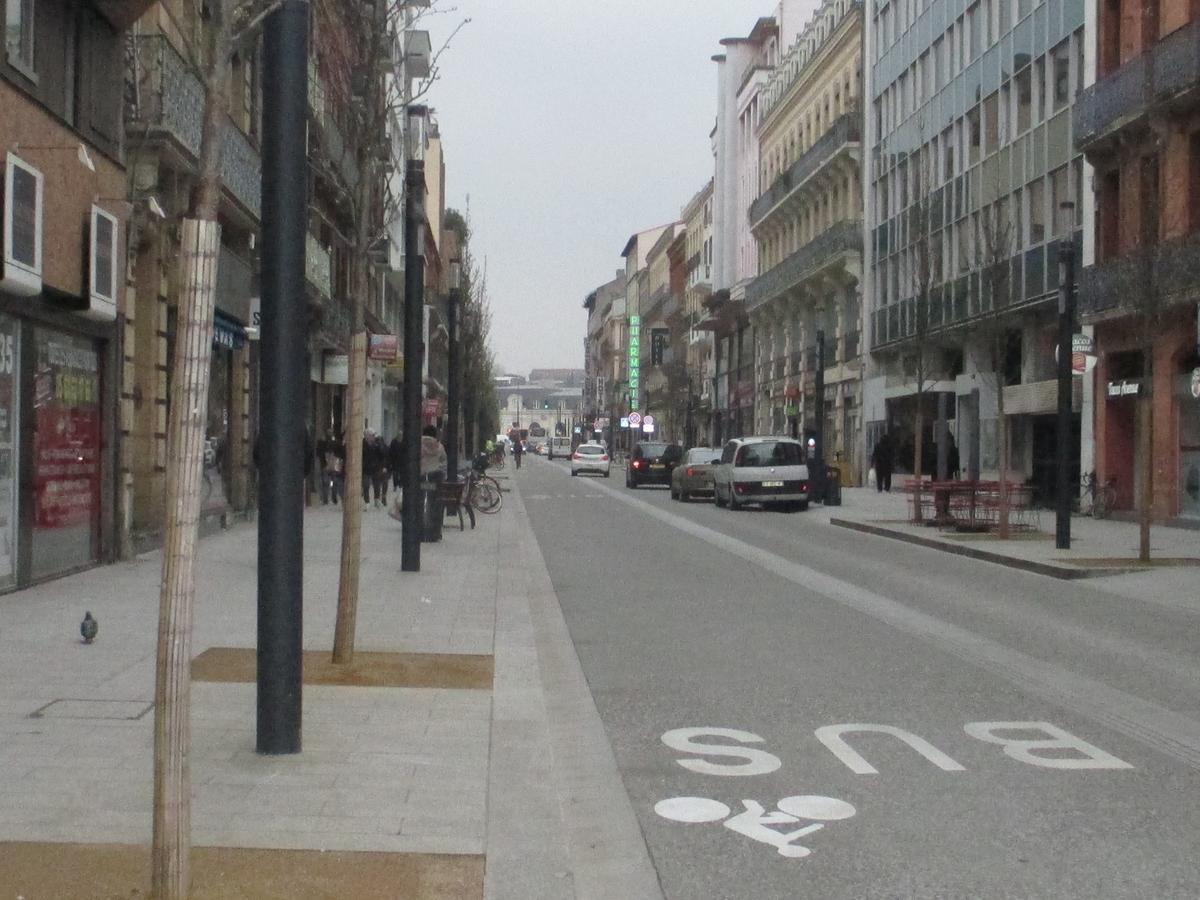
{"points": [[352, 509], [1146, 457], [185, 452]]}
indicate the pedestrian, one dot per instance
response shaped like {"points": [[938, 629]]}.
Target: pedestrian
{"points": [[327, 461], [379, 478], [370, 464], [396, 456], [883, 459], [518, 451], [433, 471]]}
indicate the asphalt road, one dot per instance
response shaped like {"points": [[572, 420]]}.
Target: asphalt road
{"points": [[802, 711]]}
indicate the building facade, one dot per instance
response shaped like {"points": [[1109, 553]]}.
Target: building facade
{"points": [[64, 286], [806, 306], [970, 162], [1139, 124], [697, 217]]}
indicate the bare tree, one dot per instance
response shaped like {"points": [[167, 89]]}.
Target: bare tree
{"points": [[230, 25], [379, 92], [993, 252]]}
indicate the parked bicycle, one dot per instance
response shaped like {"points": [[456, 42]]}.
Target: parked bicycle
{"points": [[1096, 499], [484, 490]]}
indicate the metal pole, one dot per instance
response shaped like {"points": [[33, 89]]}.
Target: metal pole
{"points": [[817, 478], [414, 311], [452, 387], [1066, 328], [284, 381]]}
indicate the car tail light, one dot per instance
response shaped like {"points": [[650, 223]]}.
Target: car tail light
{"points": [[637, 463], [804, 487], [739, 487], [576, 456], [603, 457], [691, 472]]}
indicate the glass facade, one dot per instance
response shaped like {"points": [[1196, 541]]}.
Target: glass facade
{"points": [[10, 451], [971, 116]]}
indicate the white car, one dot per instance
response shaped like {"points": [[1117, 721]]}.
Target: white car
{"points": [[766, 470], [590, 458]]}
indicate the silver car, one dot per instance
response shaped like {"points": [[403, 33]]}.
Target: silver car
{"points": [[770, 471], [695, 474]]}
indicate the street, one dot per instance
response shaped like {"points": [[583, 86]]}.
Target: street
{"points": [[797, 710]]}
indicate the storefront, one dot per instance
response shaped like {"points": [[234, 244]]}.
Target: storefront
{"points": [[52, 451], [1187, 398]]}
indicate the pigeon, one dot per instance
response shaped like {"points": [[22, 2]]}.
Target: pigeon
{"points": [[88, 628]]}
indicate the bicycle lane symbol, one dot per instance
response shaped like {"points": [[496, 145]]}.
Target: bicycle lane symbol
{"points": [[759, 824]]}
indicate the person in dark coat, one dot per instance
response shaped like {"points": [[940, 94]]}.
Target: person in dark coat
{"points": [[396, 461], [884, 461], [370, 466]]}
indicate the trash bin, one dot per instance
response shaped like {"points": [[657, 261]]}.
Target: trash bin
{"points": [[833, 486]]}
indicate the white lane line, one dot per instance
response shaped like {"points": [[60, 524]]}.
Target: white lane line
{"points": [[1169, 732]]}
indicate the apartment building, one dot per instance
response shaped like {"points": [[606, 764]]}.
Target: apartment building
{"points": [[806, 306], [1139, 125], [697, 217], [64, 293], [971, 169]]}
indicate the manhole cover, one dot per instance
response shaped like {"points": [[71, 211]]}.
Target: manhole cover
{"points": [[66, 708]]}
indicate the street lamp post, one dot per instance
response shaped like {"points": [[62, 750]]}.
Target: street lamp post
{"points": [[452, 378], [414, 311], [817, 477], [1066, 329]]}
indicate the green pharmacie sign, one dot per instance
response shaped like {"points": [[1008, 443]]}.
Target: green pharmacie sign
{"points": [[635, 360]]}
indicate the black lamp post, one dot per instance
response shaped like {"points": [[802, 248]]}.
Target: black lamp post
{"points": [[455, 364], [1066, 332], [414, 313], [817, 475]]}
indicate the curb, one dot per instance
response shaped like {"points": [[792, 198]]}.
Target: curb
{"points": [[1063, 573]]}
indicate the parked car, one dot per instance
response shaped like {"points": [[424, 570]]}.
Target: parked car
{"points": [[590, 458], [543, 449], [770, 471], [652, 462], [560, 447], [695, 474]]}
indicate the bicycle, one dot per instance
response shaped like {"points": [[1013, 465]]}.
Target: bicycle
{"points": [[483, 493], [1096, 499]]}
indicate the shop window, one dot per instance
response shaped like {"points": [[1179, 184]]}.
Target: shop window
{"points": [[10, 451]]}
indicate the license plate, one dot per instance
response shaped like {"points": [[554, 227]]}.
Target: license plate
{"points": [[658, 465], [772, 484]]}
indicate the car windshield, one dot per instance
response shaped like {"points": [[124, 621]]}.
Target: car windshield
{"points": [[702, 456], [770, 453], [590, 450]]}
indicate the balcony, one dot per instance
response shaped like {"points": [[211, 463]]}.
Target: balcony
{"points": [[850, 347], [234, 285], [1112, 288], [333, 146], [822, 252], [844, 132], [318, 268], [169, 105], [1166, 77]]}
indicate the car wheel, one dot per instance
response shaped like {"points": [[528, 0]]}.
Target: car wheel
{"points": [[573, 472], [606, 474], [717, 501], [683, 496], [734, 503]]}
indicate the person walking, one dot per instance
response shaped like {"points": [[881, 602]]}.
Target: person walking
{"points": [[379, 478], [370, 465], [884, 460], [518, 451], [396, 461], [328, 461]]}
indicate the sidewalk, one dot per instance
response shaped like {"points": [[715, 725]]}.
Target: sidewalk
{"points": [[478, 769], [1098, 547]]}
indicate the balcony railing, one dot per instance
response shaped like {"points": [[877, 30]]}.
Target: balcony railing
{"points": [[1166, 72], [170, 102], [821, 251], [234, 285], [1119, 286], [318, 268], [845, 130], [332, 144], [850, 347]]}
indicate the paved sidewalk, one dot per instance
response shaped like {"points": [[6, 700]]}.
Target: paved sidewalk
{"points": [[475, 774], [1098, 547]]}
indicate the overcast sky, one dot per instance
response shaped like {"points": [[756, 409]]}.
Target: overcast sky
{"points": [[572, 124]]}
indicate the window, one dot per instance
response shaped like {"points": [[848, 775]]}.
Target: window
{"points": [[1037, 211], [18, 35], [973, 136], [770, 453], [991, 123], [1024, 87], [1060, 74]]}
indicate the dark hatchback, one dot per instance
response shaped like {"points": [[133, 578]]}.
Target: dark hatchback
{"points": [[652, 463]]}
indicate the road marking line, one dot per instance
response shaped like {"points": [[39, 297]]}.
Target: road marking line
{"points": [[1169, 732]]}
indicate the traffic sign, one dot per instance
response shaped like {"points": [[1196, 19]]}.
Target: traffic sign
{"points": [[635, 419], [648, 420], [648, 427], [624, 422]]}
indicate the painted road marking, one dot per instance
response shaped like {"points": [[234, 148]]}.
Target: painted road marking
{"points": [[759, 824], [1051, 748], [1165, 730]]}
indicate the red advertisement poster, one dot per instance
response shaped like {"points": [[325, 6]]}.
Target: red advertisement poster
{"points": [[66, 437]]}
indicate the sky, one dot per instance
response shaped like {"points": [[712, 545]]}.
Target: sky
{"points": [[570, 125]]}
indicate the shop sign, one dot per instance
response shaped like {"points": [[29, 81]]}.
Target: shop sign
{"points": [[384, 347], [335, 369], [635, 362], [1083, 343], [254, 329], [431, 407], [227, 335], [1124, 388], [67, 425]]}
